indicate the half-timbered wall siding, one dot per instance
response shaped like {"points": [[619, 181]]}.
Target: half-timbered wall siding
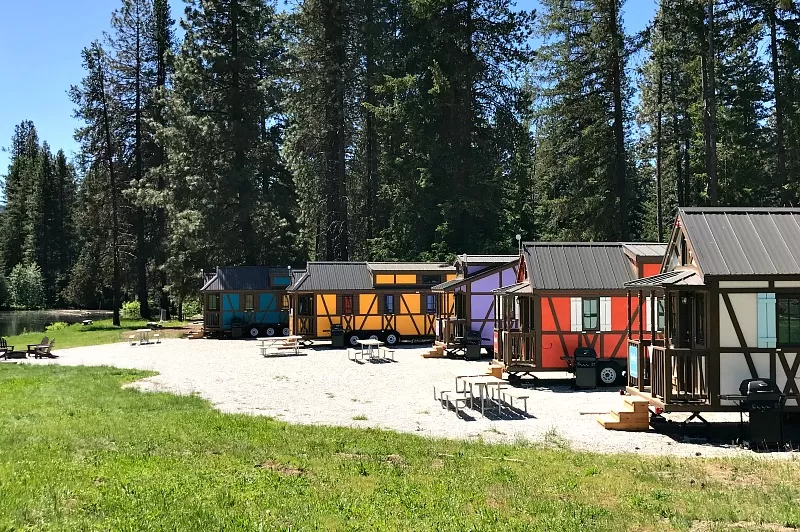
{"points": [[266, 309]]}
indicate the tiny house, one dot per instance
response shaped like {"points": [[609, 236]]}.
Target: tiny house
{"points": [[246, 300], [465, 305], [569, 296], [729, 288], [389, 301]]}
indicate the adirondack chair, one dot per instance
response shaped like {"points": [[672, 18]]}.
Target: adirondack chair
{"points": [[45, 351], [5, 349], [33, 347]]}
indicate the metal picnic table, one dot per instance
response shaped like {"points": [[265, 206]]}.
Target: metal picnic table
{"points": [[370, 345], [483, 382], [144, 335], [283, 342]]}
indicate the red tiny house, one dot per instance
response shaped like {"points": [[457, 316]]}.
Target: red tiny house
{"points": [[570, 296]]}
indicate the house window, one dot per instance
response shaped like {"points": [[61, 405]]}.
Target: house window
{"points": [[284, 302], [388, 304], [700, 319], [460, 305], [591, 314], [213, 302], [430, 280], [248, 302], [787, 314], [430, 304], [660, 313], [304, 305], [347, 305]]}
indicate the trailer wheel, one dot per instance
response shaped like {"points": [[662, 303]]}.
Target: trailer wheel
{"points": [[373, 337], [353, 340], [608, 374], [254, 332], [286, 331], [392, 338], [269, 331]]}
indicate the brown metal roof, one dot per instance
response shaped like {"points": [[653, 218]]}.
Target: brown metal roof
{"points": [[744, 241], [487, 259], [519, 288], [334, 276], [577, 265]]}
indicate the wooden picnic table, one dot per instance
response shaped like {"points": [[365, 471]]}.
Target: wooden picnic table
{"points": [[482, 382]]}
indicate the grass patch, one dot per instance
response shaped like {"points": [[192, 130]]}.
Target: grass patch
{"points": [[99, 332], [360, 417], [78, 452]]}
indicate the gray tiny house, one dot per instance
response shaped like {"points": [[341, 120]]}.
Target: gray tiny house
{"points": [[246, 301]]}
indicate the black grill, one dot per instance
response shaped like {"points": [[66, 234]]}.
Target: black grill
{"points": [[585, 364], [764, 400]]}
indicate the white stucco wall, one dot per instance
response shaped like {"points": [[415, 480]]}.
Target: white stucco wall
{"points": [[787, 284], [744, 284], [745, 306], [733, 370]]}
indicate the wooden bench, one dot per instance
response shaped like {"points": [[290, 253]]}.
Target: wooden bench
{"points": [[157, 338], [520, 394], [132, 339]]}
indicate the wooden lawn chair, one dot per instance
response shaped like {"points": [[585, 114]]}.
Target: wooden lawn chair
{"points": [[45, 351], [33, 347], [5, 349]]}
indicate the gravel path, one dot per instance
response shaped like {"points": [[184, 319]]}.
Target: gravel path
{"points": [[325, 388]]}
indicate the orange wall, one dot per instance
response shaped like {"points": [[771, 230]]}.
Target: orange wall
{"points": [[651, 269]]}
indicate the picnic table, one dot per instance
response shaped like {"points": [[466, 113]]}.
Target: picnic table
{"points": [[483, 383], [144, 335], [371, 346], [291, 343]]}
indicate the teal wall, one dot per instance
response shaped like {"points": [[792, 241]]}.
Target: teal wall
{"points": [[267, 309]]}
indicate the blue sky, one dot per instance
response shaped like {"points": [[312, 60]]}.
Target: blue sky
{"points": [[40, 45]]}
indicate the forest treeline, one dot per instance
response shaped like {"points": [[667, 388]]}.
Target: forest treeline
{"points": [[395, 129]]}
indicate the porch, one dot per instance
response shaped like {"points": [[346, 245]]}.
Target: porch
{"points": [[516, 348], [451, 331]]}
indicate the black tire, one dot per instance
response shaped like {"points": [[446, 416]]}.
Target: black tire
{"points": [[609, 374], [253, 331], [392, 338], [285, 331], [269, 331], [373, 336], [353, 339]]}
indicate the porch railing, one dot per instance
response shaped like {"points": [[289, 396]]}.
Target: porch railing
{"points": [[452, 330], [679, 375], [211, 319], [517, 346]]}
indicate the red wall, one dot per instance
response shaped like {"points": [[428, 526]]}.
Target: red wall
{"points": [[651, 269]]}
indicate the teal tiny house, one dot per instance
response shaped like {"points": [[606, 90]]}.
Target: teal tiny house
{"points": [[246, 300]]}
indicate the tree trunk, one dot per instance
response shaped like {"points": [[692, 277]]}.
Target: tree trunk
{"points": [[710, 108], [141, 245], [161, 9], [115, 282], [659, 153], [621, 182], [780, 148]]}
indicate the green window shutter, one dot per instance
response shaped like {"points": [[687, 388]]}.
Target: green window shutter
{"points": [[767, 337]]}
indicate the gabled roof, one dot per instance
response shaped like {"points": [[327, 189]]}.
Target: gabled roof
{"points": [[487, 259], [744, 241], [645, 249], [334, 276], [577, 265], [242, 278], [423, 267], [448, 284]]}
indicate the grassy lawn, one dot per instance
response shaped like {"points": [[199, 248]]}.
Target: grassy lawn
{"points": [[100, 332], [78, 452]]}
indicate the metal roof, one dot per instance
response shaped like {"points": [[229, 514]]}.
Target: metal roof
{"points": [[448, 284], [241, 278], [411, 267], [645, 249], [487, 259], [577, 265], [673, 278], [744, 241], [334, 276], [519, 288]]}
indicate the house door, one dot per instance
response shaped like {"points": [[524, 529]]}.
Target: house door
{"points": [[305, 314], [685, 319]]}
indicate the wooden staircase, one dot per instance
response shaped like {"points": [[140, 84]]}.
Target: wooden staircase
{"points": [[634, 416], [437, 351]]}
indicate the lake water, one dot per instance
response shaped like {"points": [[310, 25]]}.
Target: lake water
{"points": [[14, 322]]}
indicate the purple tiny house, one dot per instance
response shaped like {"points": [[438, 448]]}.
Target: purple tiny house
{"points": [[465, 305]]}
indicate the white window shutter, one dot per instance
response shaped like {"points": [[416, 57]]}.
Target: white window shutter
{"points": [[605, 313], [648, 313], [576, 308]]}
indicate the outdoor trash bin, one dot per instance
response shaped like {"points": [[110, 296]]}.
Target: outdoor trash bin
{"points": [[585, 365], [337, 336], [764, 400]]}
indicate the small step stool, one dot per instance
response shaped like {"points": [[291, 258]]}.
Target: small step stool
{"points": [[633, 416]]}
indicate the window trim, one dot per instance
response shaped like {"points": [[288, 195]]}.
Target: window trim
{"points": [[778, 299], [385, 306], [216, 299], [252, 306], [427, 309], [285, 303], [352, 300], [584, 316]]}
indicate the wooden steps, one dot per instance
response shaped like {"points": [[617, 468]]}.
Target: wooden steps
{"points": [[437, 351], [633, 416]]}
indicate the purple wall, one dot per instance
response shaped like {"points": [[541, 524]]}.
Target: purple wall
{"points": [[479, 305]]}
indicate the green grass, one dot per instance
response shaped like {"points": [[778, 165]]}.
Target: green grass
{"points": [[99, 332], [78, 452]]}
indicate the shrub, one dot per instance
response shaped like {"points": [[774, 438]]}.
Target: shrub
{"points": [[131, 310], [4, 302], [26, 286], [191, 307], [56, 326]]}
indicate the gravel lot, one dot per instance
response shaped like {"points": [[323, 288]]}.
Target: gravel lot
{"points": [[325, 388]]}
